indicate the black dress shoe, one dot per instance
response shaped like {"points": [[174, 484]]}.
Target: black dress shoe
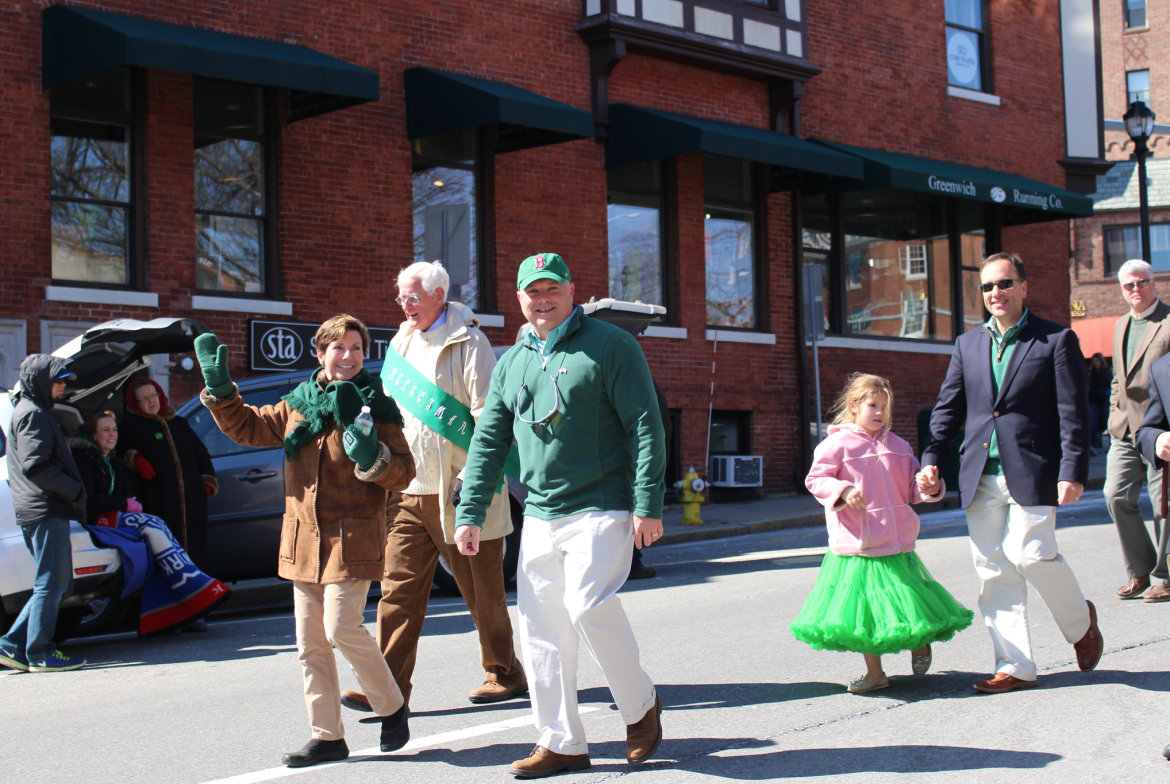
{"points": [[1166, 752], [316, 751], [395, 731]]}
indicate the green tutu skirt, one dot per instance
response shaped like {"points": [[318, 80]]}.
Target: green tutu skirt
{"points": [[877, 605]]}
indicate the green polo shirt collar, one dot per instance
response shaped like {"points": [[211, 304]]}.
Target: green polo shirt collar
{"points": [[1002, 347]]}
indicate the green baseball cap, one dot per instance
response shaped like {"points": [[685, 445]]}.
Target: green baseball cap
{"points": [[542, 265]]}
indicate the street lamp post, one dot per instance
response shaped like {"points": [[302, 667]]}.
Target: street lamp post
{"points": [[1139, 124]]}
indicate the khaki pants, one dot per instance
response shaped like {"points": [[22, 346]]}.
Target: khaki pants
{"points": [[331, 615], [414, 542]]}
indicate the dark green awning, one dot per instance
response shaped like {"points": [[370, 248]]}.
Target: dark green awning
{"points": [[1024, 200], [638, 135], [442, 102], [80, 42]]}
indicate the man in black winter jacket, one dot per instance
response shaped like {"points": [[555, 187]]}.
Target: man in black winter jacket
{"points": [[46, 492]]}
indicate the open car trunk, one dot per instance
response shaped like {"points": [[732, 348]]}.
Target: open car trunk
{"points": [[106, 356]]}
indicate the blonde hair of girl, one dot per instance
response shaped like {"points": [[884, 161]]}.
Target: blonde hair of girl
{"points": [[858, 388]]}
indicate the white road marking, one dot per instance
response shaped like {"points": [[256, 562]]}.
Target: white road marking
{"points": [[418, 743]]}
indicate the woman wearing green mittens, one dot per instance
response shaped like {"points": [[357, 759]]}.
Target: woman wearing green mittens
{"points": [[337, 478]]}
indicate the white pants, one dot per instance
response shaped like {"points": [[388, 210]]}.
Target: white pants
{"points": [[1012, 546], [571, 570]]}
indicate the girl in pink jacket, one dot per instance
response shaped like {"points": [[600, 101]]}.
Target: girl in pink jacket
{"points": [[873, 595]]}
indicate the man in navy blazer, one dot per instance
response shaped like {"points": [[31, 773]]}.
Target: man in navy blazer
{"points": [[1020, 384], [1153, 437]]}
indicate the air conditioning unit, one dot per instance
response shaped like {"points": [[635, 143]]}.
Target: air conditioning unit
{"points": [[736, 471]]}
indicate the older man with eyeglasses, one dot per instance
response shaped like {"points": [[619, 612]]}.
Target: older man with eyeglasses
{"points": [[1021, 386], [576, 396], [1140, 337], [449, 362]]}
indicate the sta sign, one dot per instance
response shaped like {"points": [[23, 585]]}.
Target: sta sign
{"points": [[288, 345]]}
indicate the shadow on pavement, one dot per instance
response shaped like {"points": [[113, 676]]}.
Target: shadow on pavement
{"points": [[800, 763]]}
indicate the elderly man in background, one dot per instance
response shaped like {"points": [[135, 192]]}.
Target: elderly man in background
{"points": [[442, 342], [1140, 337]]}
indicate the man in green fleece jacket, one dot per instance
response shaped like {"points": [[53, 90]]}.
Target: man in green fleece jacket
{"points": [[576, 396]]}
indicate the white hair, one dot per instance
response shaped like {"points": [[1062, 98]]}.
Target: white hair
{"points": [[1136, 267], [430, 273]]}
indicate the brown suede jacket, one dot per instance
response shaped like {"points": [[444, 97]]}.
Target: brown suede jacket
{"points": [[335, 514]]}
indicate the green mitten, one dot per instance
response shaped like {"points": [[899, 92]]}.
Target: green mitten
{"points": [[361, 448], [214, 363], [349, 401]]}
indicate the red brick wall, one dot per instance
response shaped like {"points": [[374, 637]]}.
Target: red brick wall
{"points": [[345, 185]]}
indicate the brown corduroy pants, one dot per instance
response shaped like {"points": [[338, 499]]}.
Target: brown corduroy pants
{"points": [[414, 542]]}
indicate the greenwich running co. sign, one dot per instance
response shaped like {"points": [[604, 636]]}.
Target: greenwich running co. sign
{"points": [[288, 345], [1013, 197], [910, 172]]}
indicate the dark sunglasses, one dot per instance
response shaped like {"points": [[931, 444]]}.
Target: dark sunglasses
{"points": [[1002, 285], [1137, 284]]}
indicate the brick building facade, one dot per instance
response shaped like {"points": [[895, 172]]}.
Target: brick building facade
{"points": [[338, 203]]}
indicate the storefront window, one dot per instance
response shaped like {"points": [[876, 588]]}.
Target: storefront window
{"points": [[729, 242], [445, 213], [230, 203], [635, 223], [966, 44], [972, 251], [897, 265], [818, 245], [90, 184], [1123, 243]]}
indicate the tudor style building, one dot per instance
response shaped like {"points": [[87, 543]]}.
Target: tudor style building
{"points": [[265, 166]]}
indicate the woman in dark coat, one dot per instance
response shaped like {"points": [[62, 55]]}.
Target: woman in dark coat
{"points": [[1100, 389], [174, 470]]}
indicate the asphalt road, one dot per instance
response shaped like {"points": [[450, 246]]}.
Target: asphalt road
{"points": [[744, 701]]}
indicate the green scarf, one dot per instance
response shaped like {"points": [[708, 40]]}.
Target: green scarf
{"points": [[319, 408]]}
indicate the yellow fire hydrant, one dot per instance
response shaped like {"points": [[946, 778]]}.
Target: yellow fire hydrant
{"points": [[690, 487]]}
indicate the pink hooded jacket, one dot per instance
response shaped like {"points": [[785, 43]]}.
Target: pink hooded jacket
{"points": [[883, 469]]}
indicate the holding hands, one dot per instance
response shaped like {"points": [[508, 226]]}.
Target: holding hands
{"points": [[928, 481]]}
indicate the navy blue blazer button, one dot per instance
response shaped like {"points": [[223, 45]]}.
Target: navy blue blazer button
{"points": [[987, 446], [996, 414]]}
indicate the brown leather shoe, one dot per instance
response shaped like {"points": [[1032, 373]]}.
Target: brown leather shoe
{"points": [[1091, 646], [355, 700], [1159, 593], [494, 691], [1133, 588], [644, 736], [543, 762], [1003, 682]]}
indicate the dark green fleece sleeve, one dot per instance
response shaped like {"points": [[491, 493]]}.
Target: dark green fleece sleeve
{"points": [[489, 451], [631, 392]]}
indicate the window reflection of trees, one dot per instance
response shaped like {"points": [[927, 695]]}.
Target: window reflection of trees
{"points": [[229, 178], [89, 181], [90, 169], [730, 284], [457, 187], [635, 264]]}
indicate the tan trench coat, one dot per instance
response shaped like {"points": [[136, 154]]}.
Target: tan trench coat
{"points": [[1131, 385], [464, 371], [335, 514]]}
